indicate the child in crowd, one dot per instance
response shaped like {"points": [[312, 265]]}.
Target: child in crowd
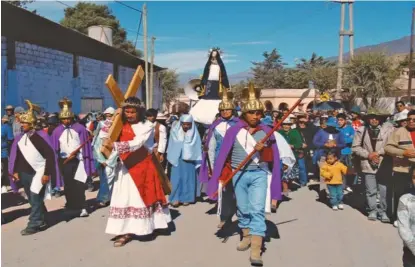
{"points": [[332, 171]]}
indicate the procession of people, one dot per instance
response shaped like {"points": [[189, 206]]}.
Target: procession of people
{"points": [[247, 162]]}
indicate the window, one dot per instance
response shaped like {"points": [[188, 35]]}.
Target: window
{"points": [[91, 104]]}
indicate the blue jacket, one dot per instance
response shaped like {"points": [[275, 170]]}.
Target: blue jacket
{"points": [[348, 134], [321, 138], [6, 137]]}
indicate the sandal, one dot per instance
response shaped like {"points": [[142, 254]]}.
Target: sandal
{"points": [[120, 242]]}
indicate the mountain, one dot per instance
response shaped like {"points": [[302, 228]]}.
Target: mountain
{"points": [[398, 46]]}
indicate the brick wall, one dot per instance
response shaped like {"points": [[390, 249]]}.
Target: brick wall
{"points": [[45, 75], [3, 71], [92, 74]]}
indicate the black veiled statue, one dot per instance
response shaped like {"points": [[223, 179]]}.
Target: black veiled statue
{"points": [[214, 75]]}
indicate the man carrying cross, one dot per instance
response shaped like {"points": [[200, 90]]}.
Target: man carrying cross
{"points": [[138, 204]]}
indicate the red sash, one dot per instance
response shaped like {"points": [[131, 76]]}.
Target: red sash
{"points": [[143, 172]]}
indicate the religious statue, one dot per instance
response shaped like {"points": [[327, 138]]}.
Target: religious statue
{"points": [[214, 79]]}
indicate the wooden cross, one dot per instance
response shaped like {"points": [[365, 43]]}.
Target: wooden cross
{"points": [[119, 98]]}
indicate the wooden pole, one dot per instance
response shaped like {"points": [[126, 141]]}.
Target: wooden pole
{"points": [[148, 104], [152, 72], [411, 52]]}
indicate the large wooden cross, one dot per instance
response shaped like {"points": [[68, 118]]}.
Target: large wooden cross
{"points": [[119, 98]]}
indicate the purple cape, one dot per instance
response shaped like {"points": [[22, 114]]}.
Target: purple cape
{"points": [[13, 152], [86, 149], [204, 169], [227, 145]]}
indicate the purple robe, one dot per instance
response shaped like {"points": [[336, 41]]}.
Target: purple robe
{"points": [[204, 169], [13, 152], [227, 145], [86, 149]]}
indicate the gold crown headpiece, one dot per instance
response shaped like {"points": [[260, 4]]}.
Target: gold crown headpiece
{"points": [[250, 99], [66, 113], [227, 101], [28, 116]]}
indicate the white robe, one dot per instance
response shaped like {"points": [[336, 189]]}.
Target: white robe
{"points": [[128, 213]]}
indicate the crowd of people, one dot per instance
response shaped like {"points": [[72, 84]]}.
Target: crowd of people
{"points": [[346, 153]]}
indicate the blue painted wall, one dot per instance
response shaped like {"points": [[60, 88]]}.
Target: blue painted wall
{"points": [[45, 75]]}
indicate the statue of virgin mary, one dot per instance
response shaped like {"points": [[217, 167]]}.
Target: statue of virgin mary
{"points": [[214, 78]]}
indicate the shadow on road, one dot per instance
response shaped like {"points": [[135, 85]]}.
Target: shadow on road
{"points": [[12, 199], [52, 217]]}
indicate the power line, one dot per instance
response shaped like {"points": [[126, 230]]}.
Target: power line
{"points": [[63, 3], [138, 31], [130, 7]]}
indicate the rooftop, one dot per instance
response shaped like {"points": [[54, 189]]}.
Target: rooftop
{"points": [[24, 26]]}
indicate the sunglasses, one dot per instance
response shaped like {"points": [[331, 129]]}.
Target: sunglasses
{"points": [[302, 122], [255, 112], [410, 119]]}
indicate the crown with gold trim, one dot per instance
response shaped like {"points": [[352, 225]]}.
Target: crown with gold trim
{"points": [[28, 116], [66, 113], [250, 99], [227, 101]]}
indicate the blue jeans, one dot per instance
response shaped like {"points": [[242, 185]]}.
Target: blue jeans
{"points": [[251, 192], [105, 185], [38, 209], [303, 171], [336, 194]]}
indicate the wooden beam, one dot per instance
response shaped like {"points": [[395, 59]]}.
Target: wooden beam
{"points": [[114, 90]]}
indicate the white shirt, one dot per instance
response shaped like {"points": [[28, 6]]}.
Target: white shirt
{"points": [[214, 72], [69, 141], [162, 145]]}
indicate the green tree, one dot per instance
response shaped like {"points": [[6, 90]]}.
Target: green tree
{"points": [[22, 4], [324, 77], [84, 15], [170, 86], [269, 73], [370, 76], [405, 63], [313, 62]]}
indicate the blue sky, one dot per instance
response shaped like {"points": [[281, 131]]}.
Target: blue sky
{"points": [[244, 30]]}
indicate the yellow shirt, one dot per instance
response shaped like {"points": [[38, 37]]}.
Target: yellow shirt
{"points": [[333, 174]]}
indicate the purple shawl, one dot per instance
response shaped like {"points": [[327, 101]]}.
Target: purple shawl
{"points": [[13, 152], [227, 144], [86, 150], [204, 169]]}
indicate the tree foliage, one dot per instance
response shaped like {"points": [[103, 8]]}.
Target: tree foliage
{"points": [[272, 73], [269, 73], [84, 15], [169, 82], [21, 4], [370, 76]]}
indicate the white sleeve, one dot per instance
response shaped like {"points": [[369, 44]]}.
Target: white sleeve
{"points": [[212, 149], [286, 154], [142, 133], [162, 139]]}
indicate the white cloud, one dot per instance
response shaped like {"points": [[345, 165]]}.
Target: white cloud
{"points": [[252, 43], [188, 60]]}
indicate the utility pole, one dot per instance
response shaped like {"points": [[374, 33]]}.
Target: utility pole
{"points": [[148, 103], [411, 52], [152, 70], [343, 33]]}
